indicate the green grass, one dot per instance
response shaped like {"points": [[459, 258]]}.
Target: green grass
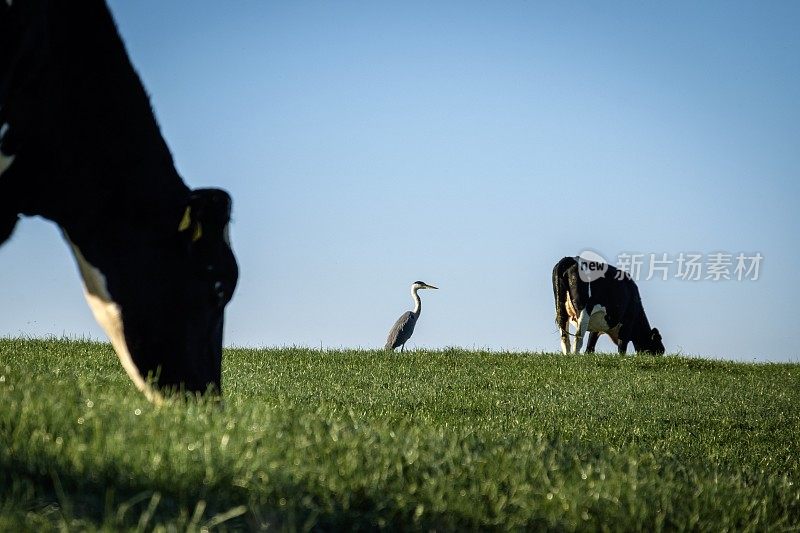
{"points": [[441, 440]]}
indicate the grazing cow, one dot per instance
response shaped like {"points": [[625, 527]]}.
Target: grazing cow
{"points": [[80, 147], [608, 304]]}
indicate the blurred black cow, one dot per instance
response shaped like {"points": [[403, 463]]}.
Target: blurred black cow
{"points": [[79, 145]]}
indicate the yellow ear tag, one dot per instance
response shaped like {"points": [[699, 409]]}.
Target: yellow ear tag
{"points": [[186, 221]]}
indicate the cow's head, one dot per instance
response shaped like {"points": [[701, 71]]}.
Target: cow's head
{"points": [[654, 343], [79, 145], [160, 295]]}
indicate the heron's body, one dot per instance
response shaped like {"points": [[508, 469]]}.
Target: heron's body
{"points": [[404, 327], [402, 330]]}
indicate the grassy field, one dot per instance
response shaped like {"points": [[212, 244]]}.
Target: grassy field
{"points": [[425, 440]]}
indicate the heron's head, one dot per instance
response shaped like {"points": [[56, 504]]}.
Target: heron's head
{"points": [[422, 285]]}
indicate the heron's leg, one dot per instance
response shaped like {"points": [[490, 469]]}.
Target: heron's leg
{"points": [[402, 347], [592, 342]]}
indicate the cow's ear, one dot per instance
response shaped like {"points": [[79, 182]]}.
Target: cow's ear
{"points": [[207, 213], [210, 207], [655, 335]]}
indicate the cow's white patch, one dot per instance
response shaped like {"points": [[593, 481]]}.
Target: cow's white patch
{"points": [[571, 312], [109, 316], [5, 162], [597, 320]]}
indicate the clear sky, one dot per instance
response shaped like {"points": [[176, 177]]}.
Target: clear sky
{"points": [[469, 145]]}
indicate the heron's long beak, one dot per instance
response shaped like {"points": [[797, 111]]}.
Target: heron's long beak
{"points": [[430, 286]]}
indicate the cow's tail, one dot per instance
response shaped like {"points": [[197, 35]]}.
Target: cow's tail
{"points": [[560, 290]]}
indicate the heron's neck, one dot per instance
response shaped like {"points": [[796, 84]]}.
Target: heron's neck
{"points": [[417, 301]]}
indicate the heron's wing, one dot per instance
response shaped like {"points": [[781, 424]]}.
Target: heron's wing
{"points": [[401, 331]]}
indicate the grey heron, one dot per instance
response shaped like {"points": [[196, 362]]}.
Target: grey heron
{"points": [[404, 327]]}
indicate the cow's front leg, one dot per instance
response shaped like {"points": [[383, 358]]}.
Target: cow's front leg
{"points": [[625, 332], [592, 341], [583, 325]]}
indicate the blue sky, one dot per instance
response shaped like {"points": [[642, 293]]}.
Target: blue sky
{"points": [[469, 145]]}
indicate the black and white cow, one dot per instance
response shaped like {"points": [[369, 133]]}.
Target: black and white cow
{"points": [[608, 304], [80, 146]]}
